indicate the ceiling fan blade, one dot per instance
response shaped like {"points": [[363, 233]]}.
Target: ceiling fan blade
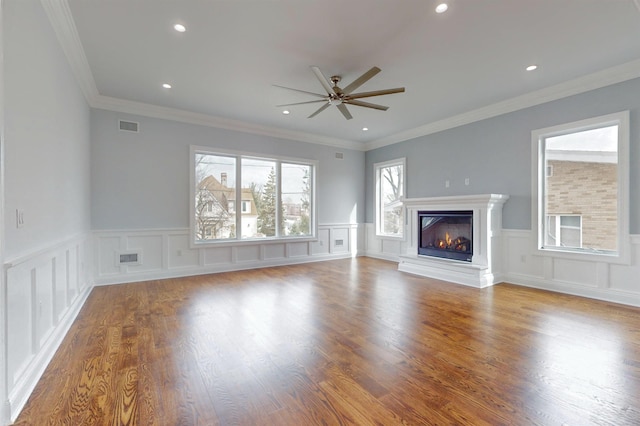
{"points": [[343, 109], [376, 93], [302, 103], [302, 91], [367, 105], [360, 80], [319, 110], [323, 80]]}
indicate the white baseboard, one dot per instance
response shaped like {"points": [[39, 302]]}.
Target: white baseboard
{"points": [[192, 271], [608, 295]]}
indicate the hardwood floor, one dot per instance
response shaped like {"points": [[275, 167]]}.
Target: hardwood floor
{"points": [[337, 343]]}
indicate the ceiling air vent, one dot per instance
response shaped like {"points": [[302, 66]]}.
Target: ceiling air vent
{"points": [[128, 126]]}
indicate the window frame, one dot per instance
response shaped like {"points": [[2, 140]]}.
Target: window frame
{"points": [[377, 168], [538, 214], [239, 155]]}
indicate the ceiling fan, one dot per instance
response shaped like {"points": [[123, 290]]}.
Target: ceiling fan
{"points": [[343, 97]]}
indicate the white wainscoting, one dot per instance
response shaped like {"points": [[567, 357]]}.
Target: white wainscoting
{"points": [[597, 280], [382, 248], [45, 291], [166, 253]]}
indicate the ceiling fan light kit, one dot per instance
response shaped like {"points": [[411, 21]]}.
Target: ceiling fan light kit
{"points": [[340, 97]]}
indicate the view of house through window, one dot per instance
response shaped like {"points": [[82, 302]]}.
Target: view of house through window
{"points": [[275, 197], [580, 202], [389, 196]]}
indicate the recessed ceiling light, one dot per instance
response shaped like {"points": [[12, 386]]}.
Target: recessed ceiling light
{"points": [[166, 86], [441, 8], [531, 67], [180, 28], [364, 129], [286, 112]]}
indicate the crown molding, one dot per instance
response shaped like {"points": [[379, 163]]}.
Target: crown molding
{"points": [[174, 114], [64, 26], [597, 80]]}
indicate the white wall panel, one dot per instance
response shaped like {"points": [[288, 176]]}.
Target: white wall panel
{"points": [[60, 284], [274, 251], [321, 246], [107, 249], [247, 253], [150, 246], [42, 302], [626, 278], [180, 255], [575, 272], [218, 255], [19, 325], [298, 249], [339, 240]]}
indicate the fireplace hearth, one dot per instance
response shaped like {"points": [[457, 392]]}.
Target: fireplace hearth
{"points": [[446, 234]]}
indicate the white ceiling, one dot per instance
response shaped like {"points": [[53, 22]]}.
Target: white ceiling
{"points": [[460, 66]]}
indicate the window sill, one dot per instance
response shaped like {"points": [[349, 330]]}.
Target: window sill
{"points": [[254, 241], [390, 237], [615, 258]]}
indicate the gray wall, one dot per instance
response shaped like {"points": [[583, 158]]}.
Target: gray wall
{"points": [[141, 180], [46, 135], [495, 154]]}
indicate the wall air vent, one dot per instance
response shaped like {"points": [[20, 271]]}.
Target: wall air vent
{"points": [[339, 155], [129, 258], [128, 126]]}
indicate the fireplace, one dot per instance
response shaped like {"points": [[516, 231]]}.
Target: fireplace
{"points": [[446, 234], [470, 254]]}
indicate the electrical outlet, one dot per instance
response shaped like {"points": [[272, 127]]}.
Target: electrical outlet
{"points": [[466, 181], [447, 183]]}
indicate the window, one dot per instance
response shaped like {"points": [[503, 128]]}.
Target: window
{"points": [[581, 187], [390, 182], [563, 231], [275, 197]]}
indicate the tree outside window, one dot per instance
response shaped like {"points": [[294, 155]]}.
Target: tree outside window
{"points": [[275, 198], [390, 183]]}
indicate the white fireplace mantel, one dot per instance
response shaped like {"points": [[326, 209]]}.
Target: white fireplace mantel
{"points": [[485, 266]]}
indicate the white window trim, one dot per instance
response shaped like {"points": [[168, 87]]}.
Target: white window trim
{"points": [[376, 179], [194, 149], [537, 189]]}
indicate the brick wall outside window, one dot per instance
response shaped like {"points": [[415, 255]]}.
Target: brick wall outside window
{"points": [[589, 190]]}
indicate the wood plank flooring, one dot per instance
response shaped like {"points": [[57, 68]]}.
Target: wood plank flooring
{"points": [[340, 343]]}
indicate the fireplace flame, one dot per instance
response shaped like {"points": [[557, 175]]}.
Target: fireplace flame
{"points": [[447, 238]]}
